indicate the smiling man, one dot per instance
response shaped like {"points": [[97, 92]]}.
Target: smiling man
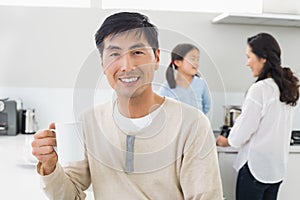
{"points": [[129, 63], [139, 145]]}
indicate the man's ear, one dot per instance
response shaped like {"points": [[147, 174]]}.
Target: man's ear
{"points": [[101, 61]]}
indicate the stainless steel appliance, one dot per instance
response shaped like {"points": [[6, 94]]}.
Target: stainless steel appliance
{"points": [[8, 117], [231, 114], [14, 119], [295, 138], [30, 122]]}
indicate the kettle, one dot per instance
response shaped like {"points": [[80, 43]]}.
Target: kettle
{"points": [[30, 122]]}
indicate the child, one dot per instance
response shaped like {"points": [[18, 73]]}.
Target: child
{"points": [[187, 87]]}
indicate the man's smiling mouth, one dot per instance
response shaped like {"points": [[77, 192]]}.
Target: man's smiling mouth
{"points": [[129, 80]]}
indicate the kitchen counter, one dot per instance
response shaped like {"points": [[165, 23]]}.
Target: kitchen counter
{"points": [[18, 176], [293, 149]]}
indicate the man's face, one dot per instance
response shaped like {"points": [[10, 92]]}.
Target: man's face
{"points": [[129, 63]]}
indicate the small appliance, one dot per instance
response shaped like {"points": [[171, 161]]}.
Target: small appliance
{"points": [[231, 114], [14, 119], [30, 123], [8, 117], [295, 138]]}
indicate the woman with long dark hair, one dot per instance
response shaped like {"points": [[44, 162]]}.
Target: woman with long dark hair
{"points": [[263, 130], [183, 81]]}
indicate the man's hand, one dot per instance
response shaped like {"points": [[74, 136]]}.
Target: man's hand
{"points": [[42, 149]]}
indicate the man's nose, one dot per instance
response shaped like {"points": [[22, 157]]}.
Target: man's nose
{"points": [[126, 62]]}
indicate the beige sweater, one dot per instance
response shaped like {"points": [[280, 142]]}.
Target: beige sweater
{"points": [[174, 158]]}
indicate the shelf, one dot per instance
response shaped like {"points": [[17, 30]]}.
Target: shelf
{"points": [[264, 19]]}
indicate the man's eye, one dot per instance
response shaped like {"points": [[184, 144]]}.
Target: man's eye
{"points": [[138, 52]]}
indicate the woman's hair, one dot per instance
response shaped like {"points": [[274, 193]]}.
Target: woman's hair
{"points": [[264, 45], [178, 53]]}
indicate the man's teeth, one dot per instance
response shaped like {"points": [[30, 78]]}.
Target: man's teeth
{"points": [[129, 80]]}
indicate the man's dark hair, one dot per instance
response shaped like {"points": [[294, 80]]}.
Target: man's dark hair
{"points": [[126, 21]]}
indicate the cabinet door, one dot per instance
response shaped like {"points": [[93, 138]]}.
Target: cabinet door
{"points": [[228, 174], [289, 188]]}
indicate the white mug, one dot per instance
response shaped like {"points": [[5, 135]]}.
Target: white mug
{"points": [[69, 141]]}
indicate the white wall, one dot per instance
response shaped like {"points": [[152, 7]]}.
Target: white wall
{"points": [[188, 5], [45, 51], [47, 47]]}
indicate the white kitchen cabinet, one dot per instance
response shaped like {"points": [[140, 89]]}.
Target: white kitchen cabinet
{"points": [[290, 186], [228, 174], [289, 189]]}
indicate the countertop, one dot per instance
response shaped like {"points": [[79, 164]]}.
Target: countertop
{"points": [[293, 148], [18, 176]]}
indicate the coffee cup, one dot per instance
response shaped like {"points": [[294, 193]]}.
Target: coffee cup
{"points": [[69, 141]]}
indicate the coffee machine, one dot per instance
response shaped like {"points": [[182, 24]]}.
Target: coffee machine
{"points": [[14, 119], [8, 117], [231, 114]]}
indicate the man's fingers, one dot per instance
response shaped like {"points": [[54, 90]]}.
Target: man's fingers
{"points": [[44, 134], [52, 125], [44, 150], [49, 141], [45, 157]]}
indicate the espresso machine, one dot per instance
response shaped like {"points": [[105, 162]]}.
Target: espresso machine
{"points": [[8, 117], [14, 119], [231, 113]]}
